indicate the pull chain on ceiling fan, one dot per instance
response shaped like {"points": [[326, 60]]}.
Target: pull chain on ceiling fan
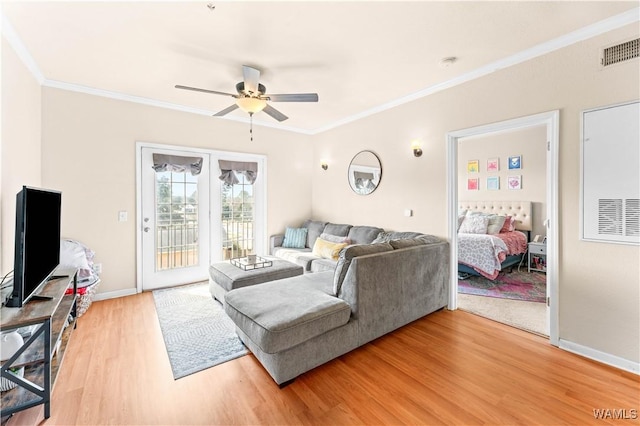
{"points": [[252, 97]]}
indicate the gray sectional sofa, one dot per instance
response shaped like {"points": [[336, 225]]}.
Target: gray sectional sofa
{"points": [[380, 282]]}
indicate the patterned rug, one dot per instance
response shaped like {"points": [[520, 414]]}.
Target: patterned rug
{"points": [[197, 333], [529, 286]]}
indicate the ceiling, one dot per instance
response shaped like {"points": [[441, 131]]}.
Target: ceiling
{"points": [[360, 56]]}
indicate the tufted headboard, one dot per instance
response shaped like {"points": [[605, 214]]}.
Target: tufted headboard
{"points": [[521, 210]]}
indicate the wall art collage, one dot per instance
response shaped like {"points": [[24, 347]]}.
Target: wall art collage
{"points": [[514, 163]]}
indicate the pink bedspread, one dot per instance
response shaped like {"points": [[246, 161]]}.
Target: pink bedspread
{"points": [[485, 253], [515, 241]]}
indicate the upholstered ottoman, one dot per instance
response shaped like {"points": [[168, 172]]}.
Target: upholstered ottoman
{"points": [[224, 277]]}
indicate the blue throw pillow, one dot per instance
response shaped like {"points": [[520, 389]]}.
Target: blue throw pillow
{"points": [[295, 238]]}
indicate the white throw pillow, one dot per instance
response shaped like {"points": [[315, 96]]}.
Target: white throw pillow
{"points": [[474, 224]]}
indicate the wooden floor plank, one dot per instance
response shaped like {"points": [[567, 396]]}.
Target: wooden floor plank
{"points": [[446, 368]]}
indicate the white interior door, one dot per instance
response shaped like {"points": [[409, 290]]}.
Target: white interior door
{"points": [[174, 233]]}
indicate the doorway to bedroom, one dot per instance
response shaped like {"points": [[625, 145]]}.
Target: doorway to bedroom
{"points": [[503, 176]]}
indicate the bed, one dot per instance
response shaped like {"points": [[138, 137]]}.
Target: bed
{"points": [[486, 255]]}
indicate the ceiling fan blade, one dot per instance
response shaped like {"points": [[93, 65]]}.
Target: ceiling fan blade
{"points": [[226, 111], [195, 89], [251, 79], [274, 113], [294, 97]]}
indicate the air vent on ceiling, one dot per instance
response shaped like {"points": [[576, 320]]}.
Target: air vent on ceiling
{"points": [[620, 52]]}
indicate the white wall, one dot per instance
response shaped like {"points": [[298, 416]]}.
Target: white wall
{"points": [[88, 147], [21, 154], [599, 284]]}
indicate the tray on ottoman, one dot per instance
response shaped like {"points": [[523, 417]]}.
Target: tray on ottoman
{"points": [[224, 276], [244, 263]]}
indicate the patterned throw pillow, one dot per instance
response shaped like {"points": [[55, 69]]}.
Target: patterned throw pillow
{"points": [[327, 249], [295, 238], [475, 224], [509, 224]]}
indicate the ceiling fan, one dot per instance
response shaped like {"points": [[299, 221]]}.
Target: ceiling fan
{"points": [[252, 96]]}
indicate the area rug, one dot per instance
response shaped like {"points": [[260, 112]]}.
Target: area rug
{"points": [[515, 285], [197, 332]]}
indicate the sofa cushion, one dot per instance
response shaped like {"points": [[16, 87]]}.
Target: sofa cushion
{"points": [[321, 265], [335, 238], [363, 234], [302, 257], [349, 253], [341, 230], [327, 249], [385, 237], [314, 229], [412, 242], [295, 238], [281, 314]]}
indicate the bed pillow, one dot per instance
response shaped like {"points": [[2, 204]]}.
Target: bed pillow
{"points": [[461, 214], [295, 238], [495, 224], [509, 224], [327, 249], [474, 224]]}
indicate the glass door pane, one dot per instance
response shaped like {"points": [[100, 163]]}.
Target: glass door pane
{"points": [[177, 227], [238, 219]]}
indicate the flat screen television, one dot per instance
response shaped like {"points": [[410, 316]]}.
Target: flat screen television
{"points": [[37, 242]]}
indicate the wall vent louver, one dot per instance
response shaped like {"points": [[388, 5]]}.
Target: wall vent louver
{"points": [[609, 216], [620, 52], [632, 217]]}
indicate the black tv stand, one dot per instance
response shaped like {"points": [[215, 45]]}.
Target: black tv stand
{"points": [[39, 297]]}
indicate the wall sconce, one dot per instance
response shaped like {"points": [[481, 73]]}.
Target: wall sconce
{"points": [[416, 146], [324, 165]]}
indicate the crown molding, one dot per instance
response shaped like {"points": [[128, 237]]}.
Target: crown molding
{"points": [[601, 27], [606, 25], [160, 104], [16, 43]]}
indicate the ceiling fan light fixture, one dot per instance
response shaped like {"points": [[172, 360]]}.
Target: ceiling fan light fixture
{"points": [[251, 105]]}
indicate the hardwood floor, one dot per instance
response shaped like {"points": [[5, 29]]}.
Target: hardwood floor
{"points": [[447, 368]]}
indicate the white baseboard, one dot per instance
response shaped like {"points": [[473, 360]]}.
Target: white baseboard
{"points": [[114, 294], [603, 357]]}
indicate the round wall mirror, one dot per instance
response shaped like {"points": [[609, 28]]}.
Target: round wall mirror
{"points": [[365, 172]]}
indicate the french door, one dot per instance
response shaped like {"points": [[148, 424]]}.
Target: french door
{"points": [[175, 228]]}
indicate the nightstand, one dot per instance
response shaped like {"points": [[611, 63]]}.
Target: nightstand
{"points": [[537, 257]]}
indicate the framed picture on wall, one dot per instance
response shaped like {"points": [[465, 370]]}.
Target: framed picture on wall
{"points": [[515, 162], [493, 164], [473, 184], [514, 182], [473, 166], [493, 183]]}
